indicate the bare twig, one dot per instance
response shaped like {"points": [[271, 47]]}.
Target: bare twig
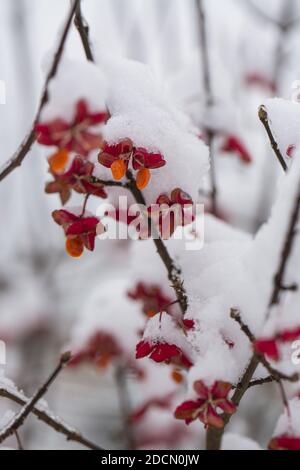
{"points": [[236, 316], [125, 405], [210, 135], [87, 196], [17, 159], [83, 30], [263, 116], [277, 375], [19, 442], [255, 383], [20, 418], [278, 282], [47, 418], [174, 273]]}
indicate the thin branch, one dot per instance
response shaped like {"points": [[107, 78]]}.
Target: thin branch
{"points": [[277, 375], [210, 135], [264, 118], [125, 405], [17, 159], [19, 442], [255, 383], [174, 273], [47, 418], [278, 281], [236, 316], [107, 183], [83, 30], [20, 418], [86, 199]]}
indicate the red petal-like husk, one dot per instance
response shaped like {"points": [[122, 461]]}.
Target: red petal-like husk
{"points": [[221, 389], [267, 347], [187, 409], [289, 335], [63, 217], [211, 418], [227, 406], [144, 159], [285, 442], [83, 226], [234, 145], [164, 352], [143, 349], [201, 389]]}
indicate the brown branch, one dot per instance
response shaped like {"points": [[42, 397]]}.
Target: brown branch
{"points": [[174, 273], [52, 422], [17, 159], [264, 118], [107, 183], [255, 383], [278, 281], [83, 30], [277, 375], [19, 442], [125, 405], [210, 135], [27, 409]]}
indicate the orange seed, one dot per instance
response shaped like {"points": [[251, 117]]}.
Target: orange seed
{"points": [[118, 169], [142, 178], [177, 376], [58, 161], [74, 247]]}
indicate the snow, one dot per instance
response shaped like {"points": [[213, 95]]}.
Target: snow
{"points": [[82, 80], [287, 425], [162, 328], [6, 418], [284, 117], [110, 311], [236, 442], [161, 106], [140, 111]]}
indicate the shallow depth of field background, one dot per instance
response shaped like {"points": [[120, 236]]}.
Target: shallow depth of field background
{"points": [[42, 291]]}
